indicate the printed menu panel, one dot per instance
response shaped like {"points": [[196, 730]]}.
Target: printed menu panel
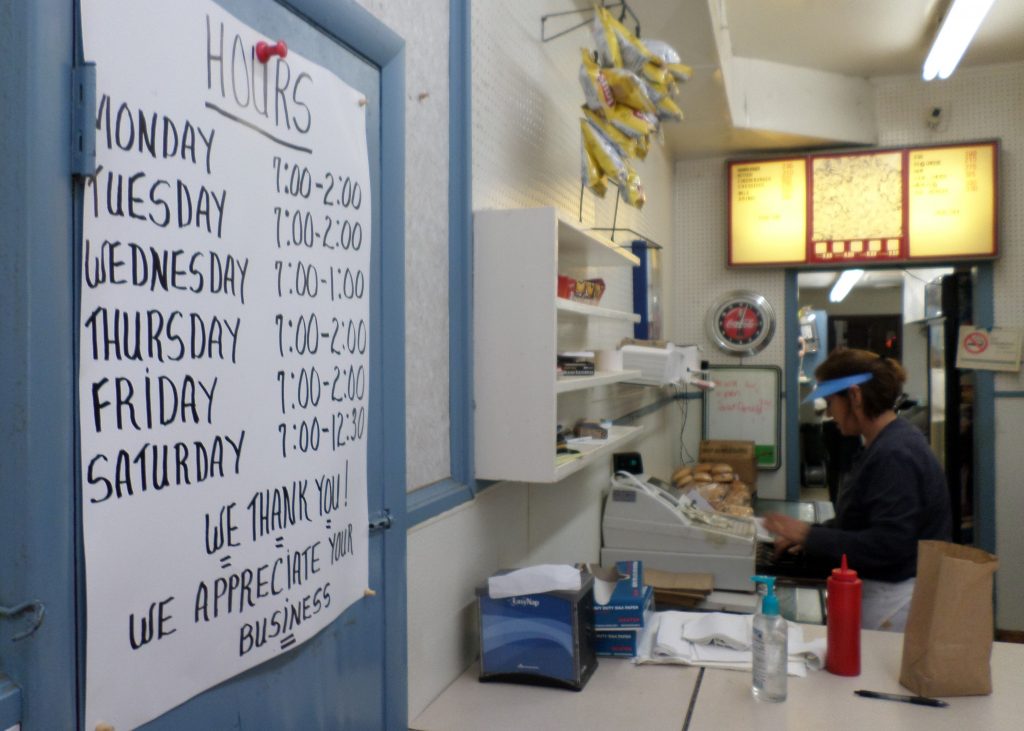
{"points": [[767, 215], [224, 349], [951, 192]]}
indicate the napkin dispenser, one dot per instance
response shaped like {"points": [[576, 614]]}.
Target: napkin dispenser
{"points": [[541, 639]]}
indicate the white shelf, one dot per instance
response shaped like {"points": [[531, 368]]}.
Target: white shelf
{"points": [[580, 308], [580, 247], [601, 378], [517, 323], [593, 450]]}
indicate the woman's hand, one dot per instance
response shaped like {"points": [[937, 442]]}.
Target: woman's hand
{"points": [[789, 533]]}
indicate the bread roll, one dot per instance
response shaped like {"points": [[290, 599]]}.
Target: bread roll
{"points": [[702, 477], [681, 472], [702, 467]]}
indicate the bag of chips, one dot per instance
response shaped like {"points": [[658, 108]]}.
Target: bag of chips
{"points": [[669, 110], [626, 146], [670, 60], [629, 89], [596, 90], [633, 191], [592, 176], [608, 159], [631, 122], [632, 52], [605, 39]]}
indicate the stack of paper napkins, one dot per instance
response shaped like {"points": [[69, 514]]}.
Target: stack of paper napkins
{"points": [[719, 640]]}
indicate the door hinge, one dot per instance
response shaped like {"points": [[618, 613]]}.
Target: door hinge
{"points": [[83, 120], [380, 520]]}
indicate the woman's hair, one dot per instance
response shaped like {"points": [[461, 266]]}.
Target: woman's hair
{"points": [[885, 387]]}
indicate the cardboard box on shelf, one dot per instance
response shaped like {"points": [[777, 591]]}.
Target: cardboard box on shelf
{"points": [[736, 453]]}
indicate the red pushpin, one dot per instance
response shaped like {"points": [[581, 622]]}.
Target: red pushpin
{"points": [[265, 50]]}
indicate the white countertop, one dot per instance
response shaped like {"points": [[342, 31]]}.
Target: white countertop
{"points": [[619, 695], [622, 696]]}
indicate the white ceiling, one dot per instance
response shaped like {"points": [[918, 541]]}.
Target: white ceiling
{"points": [[851, 39], [848, 41]]}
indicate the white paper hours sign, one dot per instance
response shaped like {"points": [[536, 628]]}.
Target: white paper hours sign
{"points": [[224, 354]]}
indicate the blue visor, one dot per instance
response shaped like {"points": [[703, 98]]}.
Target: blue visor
{"points": [[827, 388]]}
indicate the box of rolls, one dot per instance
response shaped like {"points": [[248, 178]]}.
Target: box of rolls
{"points": [[738, 454], [717, 485]]}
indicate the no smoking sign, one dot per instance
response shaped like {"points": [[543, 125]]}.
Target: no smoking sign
{"points": [[995, 349]]}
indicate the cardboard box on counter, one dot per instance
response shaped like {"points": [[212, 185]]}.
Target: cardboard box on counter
{"points": [[736, 453]]}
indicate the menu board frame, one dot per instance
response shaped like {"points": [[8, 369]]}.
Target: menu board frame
{"points": [[892, 244]]}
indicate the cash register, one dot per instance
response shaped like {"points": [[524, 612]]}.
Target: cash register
{"points": [[646, 522]]}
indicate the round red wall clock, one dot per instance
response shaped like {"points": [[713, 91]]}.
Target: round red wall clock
{"points": [[741, 323]]}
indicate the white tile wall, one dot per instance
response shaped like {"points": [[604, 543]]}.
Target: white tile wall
{"points": [[701, 277]]}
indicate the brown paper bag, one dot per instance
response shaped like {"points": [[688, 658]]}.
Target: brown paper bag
{"points": [[947, 645]]}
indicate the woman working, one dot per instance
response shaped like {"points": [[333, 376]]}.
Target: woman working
{"points": [[894, 495]]}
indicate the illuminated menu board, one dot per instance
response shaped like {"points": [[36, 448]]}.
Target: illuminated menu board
{"points": [[767, 207], [951, 193], [926, 203]]}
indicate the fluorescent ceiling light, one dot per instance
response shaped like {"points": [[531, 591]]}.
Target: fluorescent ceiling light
{"points": [[844, 284], [958, 28]]}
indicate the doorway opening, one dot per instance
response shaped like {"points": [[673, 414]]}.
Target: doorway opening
{"points": [[912, 315]]}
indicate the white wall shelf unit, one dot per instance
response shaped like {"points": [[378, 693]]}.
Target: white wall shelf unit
{"points": [[590, 451], [571, 307], [564, 384], [518, 255]]}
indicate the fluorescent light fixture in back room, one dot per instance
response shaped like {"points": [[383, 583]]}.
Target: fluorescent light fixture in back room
{"points": [[844, 284], [958, 28]]}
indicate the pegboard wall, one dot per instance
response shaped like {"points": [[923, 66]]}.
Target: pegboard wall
{"points": [[526, 132], [700, 277], [976, 104]]}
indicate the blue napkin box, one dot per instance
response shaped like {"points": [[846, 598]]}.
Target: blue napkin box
{"points": [[541, 639]]}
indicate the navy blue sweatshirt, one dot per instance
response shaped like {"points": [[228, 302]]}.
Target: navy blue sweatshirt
{"points": [[894, 496]]}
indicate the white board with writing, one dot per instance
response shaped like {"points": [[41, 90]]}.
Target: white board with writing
{"points": [[744, 405], [223, 357]]}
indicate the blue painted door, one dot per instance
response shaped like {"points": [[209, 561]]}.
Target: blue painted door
{"points": [[350, 675]]}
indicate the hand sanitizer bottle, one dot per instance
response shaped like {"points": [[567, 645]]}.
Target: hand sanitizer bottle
{"points": [[771, 655]]}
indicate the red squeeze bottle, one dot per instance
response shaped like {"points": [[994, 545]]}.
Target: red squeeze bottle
{"points": [[843, 607]]}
